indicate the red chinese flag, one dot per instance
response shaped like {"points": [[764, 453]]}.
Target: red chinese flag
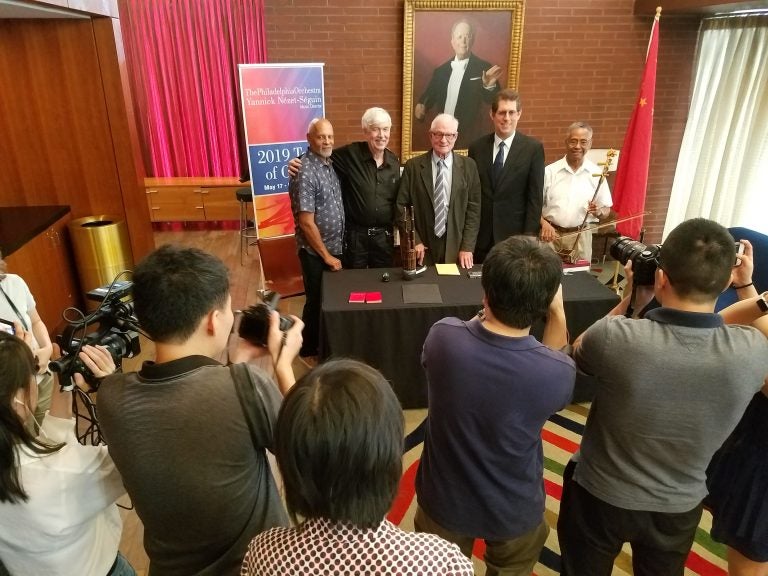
{"points": [[632, 174]]}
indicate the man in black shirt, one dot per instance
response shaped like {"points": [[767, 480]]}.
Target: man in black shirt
{"points": [[369, 174]]}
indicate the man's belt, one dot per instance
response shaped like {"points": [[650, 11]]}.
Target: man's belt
{"points": [[372, 231], [564, 230]]}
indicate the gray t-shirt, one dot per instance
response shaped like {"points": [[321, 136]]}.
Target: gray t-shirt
{"points": [[177, 433], [670, 389]]}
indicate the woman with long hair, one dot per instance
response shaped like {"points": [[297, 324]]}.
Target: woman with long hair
{"points": [[57, 497]]}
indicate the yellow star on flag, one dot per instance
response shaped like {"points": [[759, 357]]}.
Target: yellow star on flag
{"points": [[643, 102]]}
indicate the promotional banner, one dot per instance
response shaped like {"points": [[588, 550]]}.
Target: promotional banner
{"points": [[279, 102]]}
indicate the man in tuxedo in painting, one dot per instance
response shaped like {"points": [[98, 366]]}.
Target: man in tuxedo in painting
{"points": [[461, 85], [511, 169], [444, 190]]}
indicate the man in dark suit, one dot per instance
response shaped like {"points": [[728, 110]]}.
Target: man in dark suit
{"points": [[460, 86], [511, 169], [444, 190]]}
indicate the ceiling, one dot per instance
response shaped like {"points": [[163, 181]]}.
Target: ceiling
{"points": [[20, 9], [698, 7]]}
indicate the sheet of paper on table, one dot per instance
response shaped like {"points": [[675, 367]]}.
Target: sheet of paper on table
{"points": [[447, 269]]}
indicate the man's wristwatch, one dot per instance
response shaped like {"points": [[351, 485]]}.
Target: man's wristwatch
{"points": [[762, 304]]}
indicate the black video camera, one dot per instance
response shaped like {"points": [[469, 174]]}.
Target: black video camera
{"points": [[116, 330], [254, 325], [645, 259]]}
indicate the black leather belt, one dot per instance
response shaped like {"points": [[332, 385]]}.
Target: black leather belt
{"points": [[373, 231]]}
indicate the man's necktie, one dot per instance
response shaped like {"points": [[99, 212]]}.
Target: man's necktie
{"points": [[441, 199], [498, 163]]}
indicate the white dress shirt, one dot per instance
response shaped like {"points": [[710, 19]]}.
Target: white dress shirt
{"points": [[567, 193], [507, 144]]}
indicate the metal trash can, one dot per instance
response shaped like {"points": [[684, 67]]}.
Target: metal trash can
{"points": [[102, 250]]}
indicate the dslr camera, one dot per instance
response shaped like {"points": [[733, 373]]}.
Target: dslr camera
{"points": [[254, 325], [645, 258], [116, 328]]}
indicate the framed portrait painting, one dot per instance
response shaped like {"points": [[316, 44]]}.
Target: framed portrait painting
{"points": [[457, 54]]}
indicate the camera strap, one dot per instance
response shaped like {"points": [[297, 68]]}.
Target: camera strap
{"points": [[16, 310], [246, 393]]}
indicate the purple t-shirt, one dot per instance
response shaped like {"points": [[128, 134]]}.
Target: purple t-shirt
{"points": [[481, 471]]}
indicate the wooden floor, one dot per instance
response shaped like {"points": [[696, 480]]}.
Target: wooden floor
{"points": [[245, 282]]}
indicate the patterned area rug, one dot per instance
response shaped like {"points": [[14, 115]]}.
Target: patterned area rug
{"points": [[561, 435]]}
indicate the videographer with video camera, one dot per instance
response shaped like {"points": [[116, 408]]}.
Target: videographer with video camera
{"points": [[188, 434], [670, 388], [57, 497]]}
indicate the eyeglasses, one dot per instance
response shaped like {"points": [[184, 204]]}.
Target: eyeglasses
{"points": [[447, 135], [574, 142]]}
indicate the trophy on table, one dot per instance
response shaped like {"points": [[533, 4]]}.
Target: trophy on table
{"points": [[411, 268]]}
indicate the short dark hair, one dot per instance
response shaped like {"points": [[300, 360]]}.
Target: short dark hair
{"points": [[698, 257], [174, 288], [520, 277], [17, 370], [339, 443], [506, 94]]}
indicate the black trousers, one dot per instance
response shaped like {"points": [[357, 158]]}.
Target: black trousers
{"points": [[368, 250], [312, 267], [591, 533]]}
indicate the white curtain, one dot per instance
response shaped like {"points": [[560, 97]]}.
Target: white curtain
{"points": [[722, 170]]}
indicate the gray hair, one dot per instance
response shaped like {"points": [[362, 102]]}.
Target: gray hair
{"points": [[579, 125], [376, 116], [444, 117]]}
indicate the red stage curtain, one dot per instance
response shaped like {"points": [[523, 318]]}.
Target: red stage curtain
{"points": [[182, 60]]}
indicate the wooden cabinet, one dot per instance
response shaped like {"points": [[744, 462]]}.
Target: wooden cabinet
{"points": [[192, 199], [220, 202], [173, 203], [45, 263]]}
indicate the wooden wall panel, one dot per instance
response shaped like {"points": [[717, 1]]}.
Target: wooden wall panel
{"points": [[64, 125], [125, 140], [56, 116]]}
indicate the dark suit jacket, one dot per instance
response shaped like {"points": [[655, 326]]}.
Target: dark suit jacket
{"points": [[470, 100], [417, 189], [513, 205]]}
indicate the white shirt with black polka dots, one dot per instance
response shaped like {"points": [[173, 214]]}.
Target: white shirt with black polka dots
{"points": [[319, 547]]}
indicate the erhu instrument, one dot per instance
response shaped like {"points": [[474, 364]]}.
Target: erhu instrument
{"points": [[411, 268], [567, 255]]}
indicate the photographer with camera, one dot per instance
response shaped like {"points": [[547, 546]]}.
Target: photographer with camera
{"points": [[57, 497], [492, 386], [188, 434], [670, 388]]}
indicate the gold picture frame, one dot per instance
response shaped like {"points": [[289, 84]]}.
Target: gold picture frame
{"points": [[427, 49]]}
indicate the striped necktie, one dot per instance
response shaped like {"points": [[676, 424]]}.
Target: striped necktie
{"points": [[441, 199]]}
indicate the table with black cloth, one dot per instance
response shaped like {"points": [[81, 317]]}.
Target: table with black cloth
{"points": [[390, 335]]}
